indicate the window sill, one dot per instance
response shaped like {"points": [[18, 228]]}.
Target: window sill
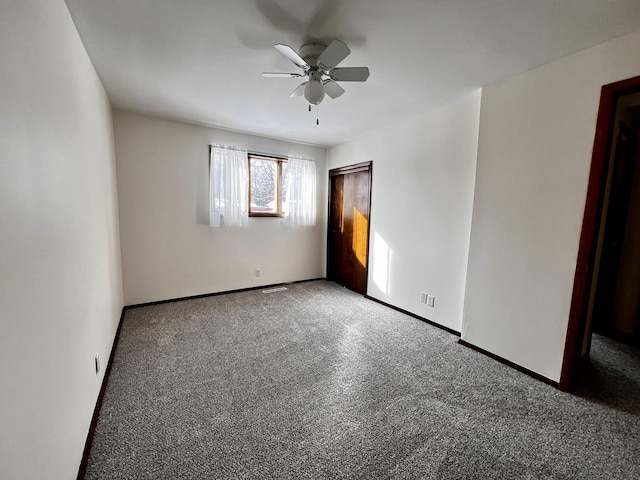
{"points": [[274, 215]]}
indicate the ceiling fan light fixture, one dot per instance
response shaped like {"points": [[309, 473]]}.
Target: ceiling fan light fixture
{"points": [[314, 92]]}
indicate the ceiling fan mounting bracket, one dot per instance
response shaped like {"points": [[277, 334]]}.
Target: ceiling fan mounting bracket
{"points": [[311, 51]]}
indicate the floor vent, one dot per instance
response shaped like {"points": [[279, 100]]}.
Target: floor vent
{"points": [[274, 290]]}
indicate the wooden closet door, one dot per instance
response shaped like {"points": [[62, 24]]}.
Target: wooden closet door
{"points": [[348, 235]]}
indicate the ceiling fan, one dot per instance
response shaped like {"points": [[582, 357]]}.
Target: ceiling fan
{"points": [[319, 62]]}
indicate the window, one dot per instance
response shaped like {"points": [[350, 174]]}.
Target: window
{"points": [[243, 185], [267, 186]]}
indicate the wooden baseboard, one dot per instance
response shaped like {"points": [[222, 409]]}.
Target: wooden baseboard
{"points": [[214, 294], [498, 358], [406, 312], [96, 411], [520, 368]]}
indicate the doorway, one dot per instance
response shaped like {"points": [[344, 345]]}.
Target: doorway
{"points": [[615, 312], [606, 294], [348, 229]]}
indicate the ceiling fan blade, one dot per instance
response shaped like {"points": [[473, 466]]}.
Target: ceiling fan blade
{"points": [[282, 75], [350, 74], [333, 55], [292, 55], [299, 91], [332, 89]]}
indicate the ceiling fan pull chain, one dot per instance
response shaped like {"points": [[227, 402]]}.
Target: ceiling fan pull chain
{"points": [[317, 114], [309, 107]]}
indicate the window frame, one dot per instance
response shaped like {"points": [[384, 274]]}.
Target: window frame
{"points": [[280, 161]]}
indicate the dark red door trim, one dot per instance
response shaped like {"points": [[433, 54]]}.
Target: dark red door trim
{"points": [[590, 226]]}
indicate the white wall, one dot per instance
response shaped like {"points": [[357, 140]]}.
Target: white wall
{"points": [[168, 250], [534, 153], [422, 193], [60, 279]]}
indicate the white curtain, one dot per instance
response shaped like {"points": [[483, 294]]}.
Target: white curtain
{"points": [[301, 192], [228, 187]]}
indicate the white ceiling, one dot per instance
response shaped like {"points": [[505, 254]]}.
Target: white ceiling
{"points": [[200, 60]]}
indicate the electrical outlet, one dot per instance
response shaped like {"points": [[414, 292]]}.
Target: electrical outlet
{"points": [[431, 301], [423, 297], [97, 363], [258, 272]]}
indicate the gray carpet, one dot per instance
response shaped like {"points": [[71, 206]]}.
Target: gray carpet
{"points": [[318, 382]]}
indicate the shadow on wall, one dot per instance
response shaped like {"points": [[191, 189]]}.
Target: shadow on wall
{"points": [[202, 190]]}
